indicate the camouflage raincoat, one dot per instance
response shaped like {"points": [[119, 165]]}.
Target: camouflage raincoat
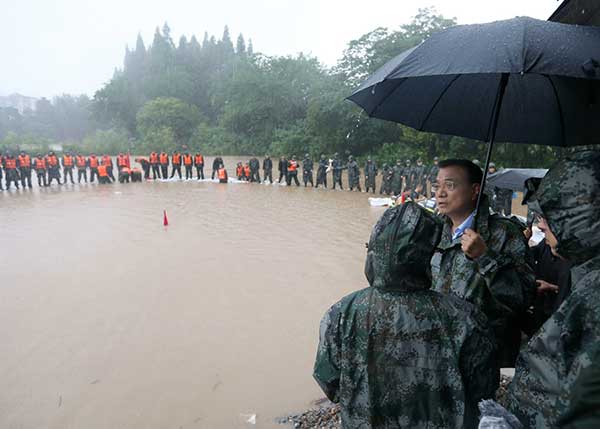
{"points": [[501, 282], [397, 354], [568, 198]]}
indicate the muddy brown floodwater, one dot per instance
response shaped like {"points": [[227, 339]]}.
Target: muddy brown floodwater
{"points": [[110, 320]]}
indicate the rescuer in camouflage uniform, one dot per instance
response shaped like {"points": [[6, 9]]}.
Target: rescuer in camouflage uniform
{"points": [[387, 174], [554, 358], [397, 354], [492, 267], [370, 174], [398, 172], [353, 174]]}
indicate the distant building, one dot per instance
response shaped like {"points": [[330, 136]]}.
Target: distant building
{"points": [[581, 12], [19, 102]]}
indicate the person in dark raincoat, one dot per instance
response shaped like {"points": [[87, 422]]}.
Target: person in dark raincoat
{"points": [[254, 170], [353, 174], [268, 169], [419, 177], [337, 168], [283, 169], [432, 173], [398, 173], [486, 263], [307, 170], [555, 357], [398, 354], [322, 172], [370, 174]]}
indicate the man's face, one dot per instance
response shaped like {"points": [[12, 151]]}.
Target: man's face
{"points": [[491, 170], [550, 237], [453, 191]]}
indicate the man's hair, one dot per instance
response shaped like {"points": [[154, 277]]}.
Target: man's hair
{"points": [[474, 173]]}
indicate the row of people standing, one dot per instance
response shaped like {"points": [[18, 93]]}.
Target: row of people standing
{"points": [[158, 165], [18, 170]]}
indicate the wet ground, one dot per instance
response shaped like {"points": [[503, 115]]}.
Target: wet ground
{"points": [[110, 320]]}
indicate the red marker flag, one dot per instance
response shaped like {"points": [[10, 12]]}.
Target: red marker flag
{"points": [[165, 220]]}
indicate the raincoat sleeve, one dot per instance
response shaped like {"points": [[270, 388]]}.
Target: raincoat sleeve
{"points": [[327, 368], [508, 272]]}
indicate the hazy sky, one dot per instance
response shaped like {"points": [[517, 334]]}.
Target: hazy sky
{"points": [[50, 47]]}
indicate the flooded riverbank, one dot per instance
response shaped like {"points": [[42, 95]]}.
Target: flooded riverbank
{"points": [[109, 319]]}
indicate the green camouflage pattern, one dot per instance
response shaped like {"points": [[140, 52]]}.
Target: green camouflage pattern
{"points": [[554, 358], [501, 282], [398, 354]]}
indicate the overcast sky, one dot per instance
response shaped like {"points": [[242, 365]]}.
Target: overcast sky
{"points": [[50, 47]]}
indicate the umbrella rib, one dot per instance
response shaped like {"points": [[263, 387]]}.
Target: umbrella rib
{"points": [[372, 112], [436, 102], [560, 111]]}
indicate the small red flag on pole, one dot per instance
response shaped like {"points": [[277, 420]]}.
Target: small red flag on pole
{"points": [[165, 220]]}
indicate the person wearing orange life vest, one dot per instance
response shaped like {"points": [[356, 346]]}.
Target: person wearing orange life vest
{"points": [[123, 163], [239, 171], [247, 172], [107, 161], [153, 160], [292, 171], [68, 161], [124, 175], [39, 164], [188, 163], [145, 166], [10, 171], [93, 163], [103, 177], [176, 164], [81, 164], [24, 164], [199, 163], [163, 159], [53, 166], [222, 174]]}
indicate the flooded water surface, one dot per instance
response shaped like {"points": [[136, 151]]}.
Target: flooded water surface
{"points": [[108, 319]]}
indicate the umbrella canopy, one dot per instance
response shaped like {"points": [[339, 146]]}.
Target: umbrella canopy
{"points": [[514, 178], [543, 78]]}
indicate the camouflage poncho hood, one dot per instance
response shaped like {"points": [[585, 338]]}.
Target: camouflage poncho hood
{"points": [[569, 199], [395, 257]]}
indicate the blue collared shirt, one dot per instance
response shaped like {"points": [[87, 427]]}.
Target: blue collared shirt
{"points": [[468, 223]]}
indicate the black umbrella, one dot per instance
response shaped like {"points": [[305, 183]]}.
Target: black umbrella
{"points": [[520, 81], [514, 178]]}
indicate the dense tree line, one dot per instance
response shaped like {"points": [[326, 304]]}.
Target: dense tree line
{"points": [[221, 97]]}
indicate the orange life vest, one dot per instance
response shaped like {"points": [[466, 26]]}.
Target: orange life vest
{"points": [[80, 161], [176, 159], [247, 170], [40, 164], [153, 158], [164, 158], [68, 161], [292, 166], [222, 174], [24, 161], [52, 161], [93, 162], [188, 160], [107, 160], [239, 171], [102, 171], [199, 159], [122, 161], [10, 164]]}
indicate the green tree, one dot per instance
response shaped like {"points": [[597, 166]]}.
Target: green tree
{"points": [[168, 113]]}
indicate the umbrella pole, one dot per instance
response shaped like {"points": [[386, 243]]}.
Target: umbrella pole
{"points": [[492, 135]]}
